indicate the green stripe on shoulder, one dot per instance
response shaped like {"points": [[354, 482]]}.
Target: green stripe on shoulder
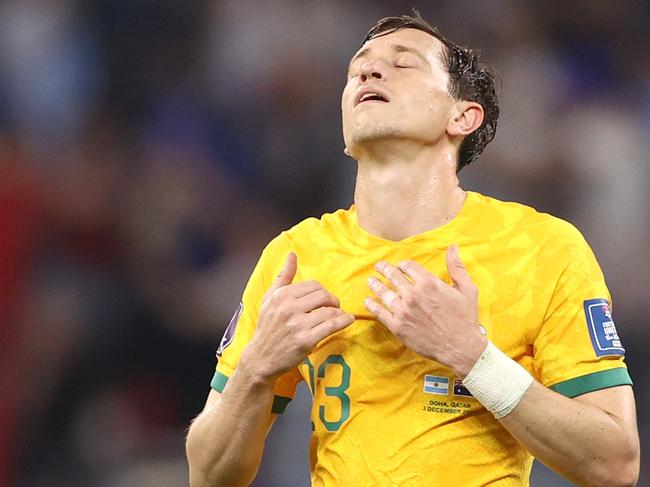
{"points": [[593, 382], [220, 380]]}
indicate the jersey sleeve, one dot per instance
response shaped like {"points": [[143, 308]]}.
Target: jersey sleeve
{"points": [[577, 349], [243, 324]]}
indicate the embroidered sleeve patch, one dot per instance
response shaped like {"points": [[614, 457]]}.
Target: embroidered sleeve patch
{"points": [[229, 334], [602, 330]]}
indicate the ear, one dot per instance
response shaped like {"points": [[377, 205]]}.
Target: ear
{"points": [[467, 116], [347, 152]]}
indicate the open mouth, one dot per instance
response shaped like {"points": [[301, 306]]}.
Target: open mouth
{"points": [[371, 96]]}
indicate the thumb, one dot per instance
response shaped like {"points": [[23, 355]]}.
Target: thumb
{"points": [[286, 275], [458, 273]]}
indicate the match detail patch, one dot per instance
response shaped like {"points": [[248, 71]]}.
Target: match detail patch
{"points": [[602, 330], [229, 334]]}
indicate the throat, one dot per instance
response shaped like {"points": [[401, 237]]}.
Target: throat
{"points": [[414, 190], [401, 217]]}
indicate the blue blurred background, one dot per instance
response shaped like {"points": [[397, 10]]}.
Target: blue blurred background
{"points": [[149, 150]]}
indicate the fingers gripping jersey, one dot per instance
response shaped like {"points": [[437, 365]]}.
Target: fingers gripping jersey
{"points": [[382, 414], [243, 323]]}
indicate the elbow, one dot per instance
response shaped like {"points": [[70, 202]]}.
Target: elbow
{"points": [[623, 479], [197, 465], [197, 477], [214, 471], [197, 480], [630, 466], [628, 475], [623, 473], [202, 478]]}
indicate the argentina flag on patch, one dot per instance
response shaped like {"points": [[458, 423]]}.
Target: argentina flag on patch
{"points": [[434, 384]]}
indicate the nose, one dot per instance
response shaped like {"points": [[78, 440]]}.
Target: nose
{"points": [[371, 69]]}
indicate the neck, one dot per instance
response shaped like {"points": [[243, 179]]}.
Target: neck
{"points": [[406, 191]]}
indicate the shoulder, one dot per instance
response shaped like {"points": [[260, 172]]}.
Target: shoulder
{"points": [[552, 246], [309, 237], [517, 218], [317, 229]]}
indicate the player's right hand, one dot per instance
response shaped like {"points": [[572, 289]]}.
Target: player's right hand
{"points": [[293, 319]]}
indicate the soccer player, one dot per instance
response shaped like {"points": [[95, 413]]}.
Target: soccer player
{"points": [[447, 337]]}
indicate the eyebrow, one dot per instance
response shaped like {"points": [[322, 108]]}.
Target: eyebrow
{"points": [[396, 48]]}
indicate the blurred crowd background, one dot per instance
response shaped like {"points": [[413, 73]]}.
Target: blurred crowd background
{"points": [[150, 149]]}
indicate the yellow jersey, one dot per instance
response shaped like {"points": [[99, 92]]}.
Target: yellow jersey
{"points": [[383, 415]]}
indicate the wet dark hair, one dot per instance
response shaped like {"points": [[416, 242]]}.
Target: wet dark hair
{"points": [[469, 79]]}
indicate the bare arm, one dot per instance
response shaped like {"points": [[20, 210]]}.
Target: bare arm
{"points": [[226, 441], [591, 439]]}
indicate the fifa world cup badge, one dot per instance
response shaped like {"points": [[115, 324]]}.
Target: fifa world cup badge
{"points": [[602, 330], [229, 334]]}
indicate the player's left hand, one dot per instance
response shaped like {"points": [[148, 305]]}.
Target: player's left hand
{"points": [[438, 321]]}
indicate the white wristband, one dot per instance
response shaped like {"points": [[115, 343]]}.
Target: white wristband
{"points": [[497, 381]]}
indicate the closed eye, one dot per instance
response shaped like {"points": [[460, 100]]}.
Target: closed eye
{"points": [[405, 60]]}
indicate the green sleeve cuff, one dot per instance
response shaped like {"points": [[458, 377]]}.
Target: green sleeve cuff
{"points": [[280, 403], [593, 382], [219, 381]]}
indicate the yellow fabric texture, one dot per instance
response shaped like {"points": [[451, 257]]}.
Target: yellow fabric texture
{"points": [[373, 421]]}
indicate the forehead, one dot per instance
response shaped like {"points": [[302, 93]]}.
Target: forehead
{"points": [[426, 44]]}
